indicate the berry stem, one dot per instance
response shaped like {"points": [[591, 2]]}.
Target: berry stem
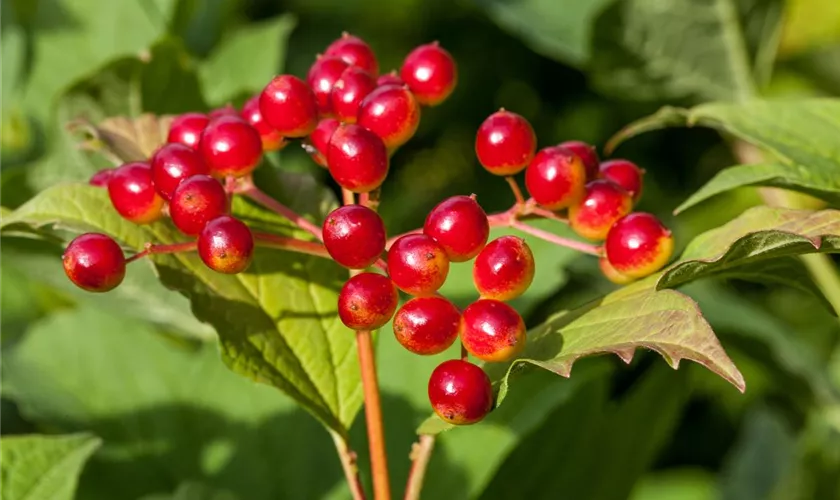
{"points": [[347, 197], [373, 417], [371, 199], [464, 353], [421, 452], [248, 189], [557, 240], [546, 214], [517, 193], [151, 249], [348, 463], [292, 244]]}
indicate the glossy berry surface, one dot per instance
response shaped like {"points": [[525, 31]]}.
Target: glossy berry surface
{"points": [[417, 264], [186, 129], [226, 245], [101, 178], [226, 110], [492, 331], [288, 105], [367, 301], [430, 72], [319, 140], [354, 236], [391, 78], [230, 146], [505, 143], [587, 153], [357, 158], [272, 140], [460, 392], [602, 204], [504, 269], [392, 113], [347, 93], [323, 75], [355, 52], [612, 274], [624, 173], [173, 163], [638, 245], [427, 325], [197, 201], [94, 262], [460, 226], [555, 178], [133, 193]]}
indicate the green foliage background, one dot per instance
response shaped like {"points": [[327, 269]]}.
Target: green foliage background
{"points": [[130, 380]]}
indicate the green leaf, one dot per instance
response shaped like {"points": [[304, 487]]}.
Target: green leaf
{"points": [[740, 247], [36, 467], [247, 60], [193, 491]]}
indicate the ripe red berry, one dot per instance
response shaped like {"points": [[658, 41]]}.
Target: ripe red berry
{"points": [[392, 113], [367, 301], [354, 236], [427, 325], [347, 93], [391, 78], [101, 178], [505, 143], [460, 226], [133, 193], [272, 140], [638, 245], [355, 52], [417, 264], [624, 173], [226, 245], [319, 140], [288, 105], [186, 129], [460, 392], [504, 269], [430, 72], [197, 201], [230, 146], [357, 158], [492, 331], [94, 262], [611, 274], [555, 178], [587, 154], [226, 110], [323, 74], [602, 204], [173, 163]]}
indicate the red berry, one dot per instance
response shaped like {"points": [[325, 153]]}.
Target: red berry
{"points": [[226, 245], [367, 301], [392, 113], [347, 93], [492, 331], [427, 325], [391, 78], [186, 129], [173, 163], [94, 262], [460, 226], [230, 146], [271, 139], [430, 72], [505, 143], [323, 75], [357, 158], [354, 236], [355, 52], [611, 274], [555, 178], [288, 105], [197, 201], [504, 269], [133, 193], [101, 178], [226, 110], [460, 392], [602, 204], [638, 245], [417, 264], [587, 154], [319, 140], [624, 173]]}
